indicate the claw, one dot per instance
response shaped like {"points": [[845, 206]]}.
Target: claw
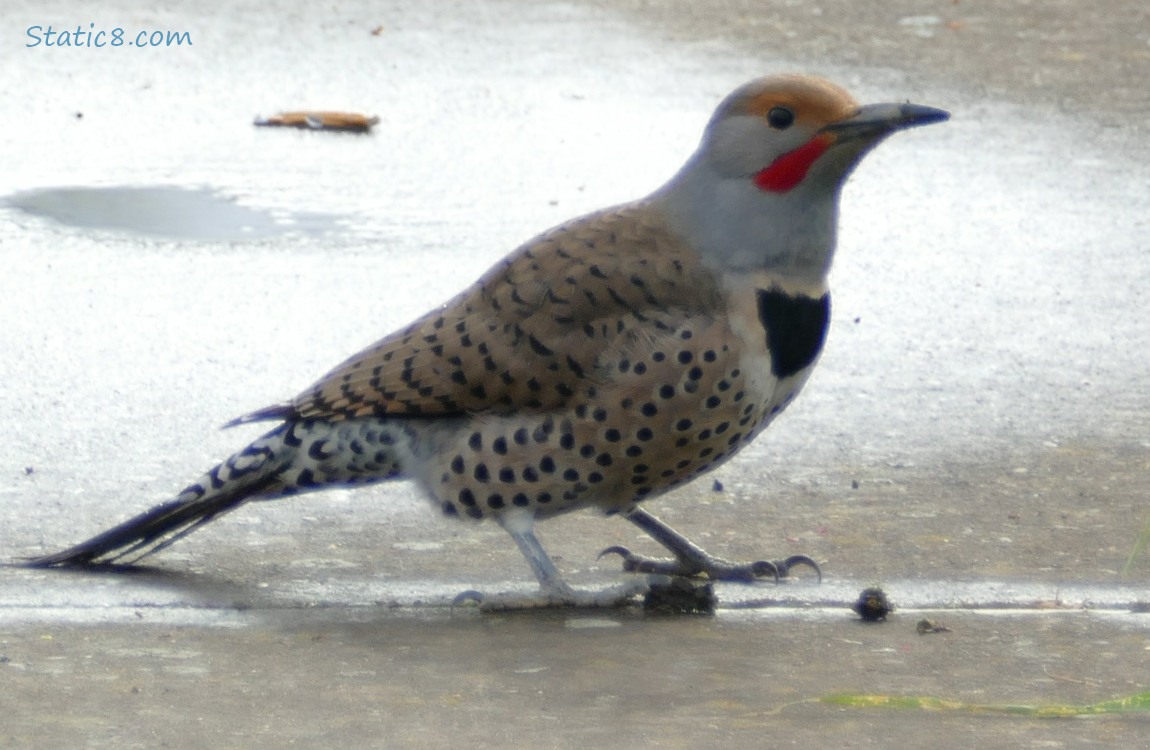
{"points": [[632, 563], [764, 568], [785, 566], [471, 595], [617, 549]]}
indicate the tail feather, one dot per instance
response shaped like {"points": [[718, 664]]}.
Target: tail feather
{"points": [[145, 534], [297, 456], [244, 476]]}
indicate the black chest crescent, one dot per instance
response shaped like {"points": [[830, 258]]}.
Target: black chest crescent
{"points": [[795, 326]]}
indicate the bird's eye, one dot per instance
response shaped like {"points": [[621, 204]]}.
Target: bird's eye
{"points": [[780, 118]]}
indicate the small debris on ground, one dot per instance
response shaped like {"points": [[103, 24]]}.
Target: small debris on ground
{"points": [[926, 627], [345, 122], [872, 605], [680, 596]]}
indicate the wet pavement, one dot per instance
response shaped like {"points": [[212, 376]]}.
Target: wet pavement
{"points": [[974, 439]]}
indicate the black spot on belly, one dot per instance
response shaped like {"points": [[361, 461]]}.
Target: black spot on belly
{"points": [[796, 327]]}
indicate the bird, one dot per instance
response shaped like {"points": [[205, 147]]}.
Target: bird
{"points": [[601, 364]]}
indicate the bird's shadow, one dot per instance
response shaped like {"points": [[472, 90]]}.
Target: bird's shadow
{"points": [[142, 585]]}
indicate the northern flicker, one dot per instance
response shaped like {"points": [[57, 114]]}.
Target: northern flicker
{"points": [[599, 365]]}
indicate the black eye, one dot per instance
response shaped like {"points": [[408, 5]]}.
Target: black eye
{"points": [[780, 118]]}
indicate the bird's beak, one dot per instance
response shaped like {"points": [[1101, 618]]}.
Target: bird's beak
{"points": [[875, 120]]}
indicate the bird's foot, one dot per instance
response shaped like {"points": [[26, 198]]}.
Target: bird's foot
{"points": [[557, 597], [713, 568]]}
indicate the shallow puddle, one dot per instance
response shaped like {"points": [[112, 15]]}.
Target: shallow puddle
{"points": [[164, 211]]}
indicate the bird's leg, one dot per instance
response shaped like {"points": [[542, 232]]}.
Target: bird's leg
{"points": [[553, 591], [691, 561], [551, 584]]}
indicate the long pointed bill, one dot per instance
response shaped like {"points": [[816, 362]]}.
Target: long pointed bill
{"points": [[867, 126], [875, 120]]}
